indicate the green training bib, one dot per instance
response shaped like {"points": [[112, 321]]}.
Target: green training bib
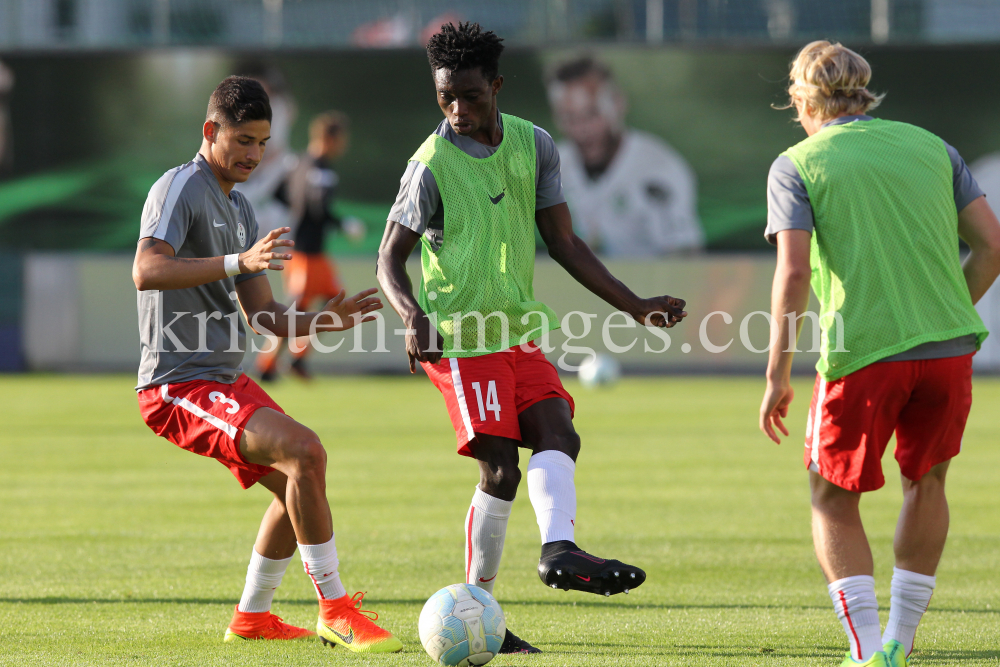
{"points": [[885, 262], [478, 284]]}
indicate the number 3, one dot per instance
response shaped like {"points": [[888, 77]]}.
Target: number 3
{"points": [[492, 402], [219, 397]]}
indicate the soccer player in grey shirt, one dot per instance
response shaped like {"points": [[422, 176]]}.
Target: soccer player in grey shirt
{"points": [[198, 263]]}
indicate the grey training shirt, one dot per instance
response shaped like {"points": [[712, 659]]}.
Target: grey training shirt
{"points": [[194, 333], [788, 207], [418, 204]]}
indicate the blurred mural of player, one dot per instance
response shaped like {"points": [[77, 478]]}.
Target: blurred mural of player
{"points": [[278, 161], [6, 138], [631, 194], [308, 193]]}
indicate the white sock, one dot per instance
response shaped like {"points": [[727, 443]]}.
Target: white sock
{"points": [[553, 494], [320, 563], [263, 577], [485, 529], [856, 607], [911, 593]]}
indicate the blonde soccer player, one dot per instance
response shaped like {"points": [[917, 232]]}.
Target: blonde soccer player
{"points": [[871, 212]]}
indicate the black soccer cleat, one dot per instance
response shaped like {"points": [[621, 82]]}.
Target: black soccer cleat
{"points": [[564, 565], [514, 644]]}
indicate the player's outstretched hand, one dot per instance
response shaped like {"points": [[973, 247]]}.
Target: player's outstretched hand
{"points": [[418, 343], [352, 310], [261, 256], [660, 311], [774, 408]]}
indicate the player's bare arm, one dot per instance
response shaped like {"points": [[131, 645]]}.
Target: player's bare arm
{"points": [[789, 296], [265, 315], [157, 268], [556, 227], [978, 227], [398, 243]]}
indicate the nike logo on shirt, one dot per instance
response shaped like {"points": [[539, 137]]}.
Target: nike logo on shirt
{"points": [[219, 224], [496, 200]]}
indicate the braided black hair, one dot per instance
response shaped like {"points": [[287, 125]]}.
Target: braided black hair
{"points": [[465, 47]]}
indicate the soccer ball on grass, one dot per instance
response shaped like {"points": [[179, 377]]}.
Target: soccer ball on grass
{"points": [[462, 625]]}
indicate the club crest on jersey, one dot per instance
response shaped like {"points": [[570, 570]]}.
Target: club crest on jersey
{"points": [[241, 234]]}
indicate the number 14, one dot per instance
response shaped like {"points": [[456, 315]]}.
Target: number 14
{"points": [[492, 403]]}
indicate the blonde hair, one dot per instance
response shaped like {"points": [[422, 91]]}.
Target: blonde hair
{"points": [[832, 80]]}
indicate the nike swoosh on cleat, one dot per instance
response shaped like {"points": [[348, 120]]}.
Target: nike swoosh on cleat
{"points": [[486, 581], [216, 224], [347, 639], [592, 559], [496, 200], [583, 578]]}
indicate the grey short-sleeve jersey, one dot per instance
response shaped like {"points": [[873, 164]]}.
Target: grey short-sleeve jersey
{"points": [[194, 333], [418, 203], [788, 205]]}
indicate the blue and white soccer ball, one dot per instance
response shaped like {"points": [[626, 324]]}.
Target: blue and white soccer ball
{"points": [[462, 625], [599, 370]]}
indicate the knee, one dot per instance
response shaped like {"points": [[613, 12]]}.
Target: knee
{"points": [[832, 499], [567, 443], [307, 454], [501, 481], [930, 485]]}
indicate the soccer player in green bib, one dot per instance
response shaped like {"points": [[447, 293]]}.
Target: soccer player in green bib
{"points": [[472, 196], [871, 212]]}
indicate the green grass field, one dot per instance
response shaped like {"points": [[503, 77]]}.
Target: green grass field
{"points": [[116, 548]]}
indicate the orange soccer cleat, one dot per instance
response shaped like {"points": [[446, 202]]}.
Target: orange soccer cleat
{"points": [[342, 621], [262, 625]]}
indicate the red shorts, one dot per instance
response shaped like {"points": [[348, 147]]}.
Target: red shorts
{"points": [[852, 419], [208, 418], [486, 394]]}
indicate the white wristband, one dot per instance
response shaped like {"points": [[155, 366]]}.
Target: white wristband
{"points": [[232, 264]]}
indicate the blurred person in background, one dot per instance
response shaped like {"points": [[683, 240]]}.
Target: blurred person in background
{"points": [[308, 193], [631, 194], [986, 171], [870, 211], [271, 173], [6, 138]]}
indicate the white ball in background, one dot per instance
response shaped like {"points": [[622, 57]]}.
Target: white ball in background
{"points": [[599, 370]]}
